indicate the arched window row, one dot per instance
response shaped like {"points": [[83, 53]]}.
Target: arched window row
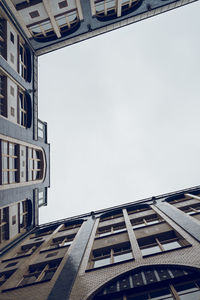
{"points": [[20, 163], [15, 104], [111, 9], [154, 282], [67, 23]]}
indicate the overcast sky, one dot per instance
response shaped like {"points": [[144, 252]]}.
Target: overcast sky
{"points": [[123, 114]]}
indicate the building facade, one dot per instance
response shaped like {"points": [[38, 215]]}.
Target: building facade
{"points": [[53, 24], [148, 249], [24, 151]]}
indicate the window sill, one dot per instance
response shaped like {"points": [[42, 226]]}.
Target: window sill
{"points": [[114, 233], [110, 265], [149, 225]]}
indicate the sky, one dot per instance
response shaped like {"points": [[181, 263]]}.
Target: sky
{"points": [[123, 114]]}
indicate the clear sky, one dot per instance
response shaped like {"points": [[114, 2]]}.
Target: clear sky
{"points": [[123, 114]]}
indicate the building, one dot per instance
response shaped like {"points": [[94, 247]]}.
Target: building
{"points": [[148, 249], [53, 24], [24, 151]]}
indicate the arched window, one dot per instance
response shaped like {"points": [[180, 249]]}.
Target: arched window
{"points": [[111, 9], [154, 282], [35, 164]]}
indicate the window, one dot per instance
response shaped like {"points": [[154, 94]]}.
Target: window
{"points": [[62, 4], [51, 254], [110, 217], [22, 104], [9, 172], [191, 209], [34, 164], [139, 210], [3, 99], [40, 129], [106, 256], [5, 275], [4, 224], [11, 265], [104, 231], [34, 14], [27, 250], [149, 283], [12, 90], [41, 198], [39, 273], [23, 214], [148, 220], [62, 241], [22, 61], [70, 226], [13, 220], [12, 111], [12, 38], [156, 244], [3, 37], [12, 59]]}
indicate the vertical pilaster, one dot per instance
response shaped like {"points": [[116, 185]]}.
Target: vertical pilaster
{"points": [[67, 276], [134, 244], [180, 218]]}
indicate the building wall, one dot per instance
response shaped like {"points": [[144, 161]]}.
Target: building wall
{"points": [[73, 241], [12, 51]]}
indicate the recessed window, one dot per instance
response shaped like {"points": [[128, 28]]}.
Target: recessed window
{"points": [[12, 59], [13, 220], [12, 111], [62, 4], [12, 90], [22, 174], [52, 254], [34, 14], [12, 38], [106, 256], [11, 265], [23, 163], [160, 243]]}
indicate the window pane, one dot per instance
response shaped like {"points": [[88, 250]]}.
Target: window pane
{"points": [[122, 257], [185, 287], [150, 250], [191, 296], [153, 222], [102, 262], [161, 294], [171, 245], [138, 297]]}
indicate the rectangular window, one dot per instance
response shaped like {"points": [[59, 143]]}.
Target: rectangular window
{"points": [[4, 224], [40, 129], [106, 256], [107, 230], [22, 61], [146, 221], [39, 273], [62, 4], [159, 243], [3, 98], [9, 172], [34, 164], [22, 104], [12, 38]]}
